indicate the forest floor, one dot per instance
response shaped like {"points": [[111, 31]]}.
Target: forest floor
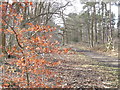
{"points": [[85, 68], [88, 69]]}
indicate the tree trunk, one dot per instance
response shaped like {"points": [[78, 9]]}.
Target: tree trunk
{"points": [[64, 30], [95, 24], [3, 36], [3, 42], [88, 25], [110, 19], [92, 30], [81, 35], [103, 31]]}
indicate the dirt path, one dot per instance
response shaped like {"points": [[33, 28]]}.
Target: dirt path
{"points": [[104, 60], [79, 71]]}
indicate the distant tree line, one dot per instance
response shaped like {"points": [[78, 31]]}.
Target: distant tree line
{"points": [[95, 25]]}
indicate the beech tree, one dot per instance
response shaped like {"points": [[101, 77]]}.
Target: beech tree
{"points": [[33, 47]]}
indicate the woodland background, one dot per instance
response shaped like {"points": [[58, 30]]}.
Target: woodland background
{"points": [[32, 42]]}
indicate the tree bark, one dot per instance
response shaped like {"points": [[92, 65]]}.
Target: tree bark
{"points": [[88, 25], [103, 31], [110, 19], [95, 24], [92, 30]]}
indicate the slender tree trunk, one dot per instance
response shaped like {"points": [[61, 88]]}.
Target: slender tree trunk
{"points": [[81, 35], [3, 42], [63, 39], [95, 24], [92, 34], [64, 31], [67, 34], [110, 20], [88, 25], [103, 31], [99, 24], [92, 30], [106, 22], [3, 36]]}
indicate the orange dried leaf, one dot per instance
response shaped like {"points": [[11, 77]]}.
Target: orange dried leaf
{"points": [[56, 63], [29, 23], [66, 50], [48, 26], [6, 84], [31, 3], [10, 31]]}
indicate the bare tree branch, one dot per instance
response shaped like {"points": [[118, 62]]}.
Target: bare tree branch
{"points": [[55, 12], [14, 33]]}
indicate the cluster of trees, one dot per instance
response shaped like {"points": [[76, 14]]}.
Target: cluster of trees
{"points": [[95, 25]]}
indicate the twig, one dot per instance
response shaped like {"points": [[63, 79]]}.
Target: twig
{"points": [[14, 33]]}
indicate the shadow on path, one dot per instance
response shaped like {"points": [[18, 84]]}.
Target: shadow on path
{"points": [[106, 60]]}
